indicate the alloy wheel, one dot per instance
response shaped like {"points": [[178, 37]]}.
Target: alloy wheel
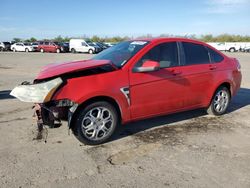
{"points": [[97, 123], [221, 101]]}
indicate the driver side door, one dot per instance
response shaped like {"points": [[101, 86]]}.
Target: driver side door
{"points": [[158, 92]]}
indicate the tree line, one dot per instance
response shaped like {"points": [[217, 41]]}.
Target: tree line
{"points": [[115, 39]]}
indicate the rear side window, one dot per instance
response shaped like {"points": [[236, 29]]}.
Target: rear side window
{"points": [[166, 54], [215, 56], [195, 54]]}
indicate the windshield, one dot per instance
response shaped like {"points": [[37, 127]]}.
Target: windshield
{"points": [[90, 43], [122, 52]]}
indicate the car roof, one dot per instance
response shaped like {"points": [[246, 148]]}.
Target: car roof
{"points": [[161, 39]]}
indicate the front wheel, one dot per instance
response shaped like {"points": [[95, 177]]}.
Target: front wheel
{"points": [[26, 50], [91, 51], [220, 101], [96, 123], [42, 50], [58, 50]]}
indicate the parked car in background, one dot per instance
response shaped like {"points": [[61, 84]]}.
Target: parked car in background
{"points": [[49, 46], [2, 46], [132, 80], [22, 47], [35, 45], [64, 46], [80, 45], [101, 45], [96, 46], [246, 49], [109, 44], [5, 46], [228, 46]]}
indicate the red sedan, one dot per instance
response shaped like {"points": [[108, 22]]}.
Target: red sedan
{"points": [[133, 80]]}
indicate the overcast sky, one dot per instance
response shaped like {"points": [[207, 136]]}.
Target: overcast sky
{"points": [[50, 18]]}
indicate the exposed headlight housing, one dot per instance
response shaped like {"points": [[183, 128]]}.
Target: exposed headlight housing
{"points": [[37, 93]]}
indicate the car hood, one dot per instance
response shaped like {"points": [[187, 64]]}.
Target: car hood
{"points": [[58, 69]]}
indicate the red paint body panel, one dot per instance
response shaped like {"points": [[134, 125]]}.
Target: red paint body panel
{"points": [[81, 89], [62, 68], [165, 91], [48, 48]]}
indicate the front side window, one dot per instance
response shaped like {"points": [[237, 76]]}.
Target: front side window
{"points": [[84, 44], [120, 53], [166, 54], [195, 54]]}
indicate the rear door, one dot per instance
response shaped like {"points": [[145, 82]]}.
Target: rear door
{"points": [[52, 47], [20, 47], [198, 71], [158, 92], [46, 47]]}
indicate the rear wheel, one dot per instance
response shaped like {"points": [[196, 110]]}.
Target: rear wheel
{"points": [[58, 50], [1, 49], [14, 49], [96, 123], [73, 50], [42, 50], [26, 50], [220, 101], [232, 50]]}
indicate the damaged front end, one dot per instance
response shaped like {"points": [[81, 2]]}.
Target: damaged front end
{"points": [[46, 110]]}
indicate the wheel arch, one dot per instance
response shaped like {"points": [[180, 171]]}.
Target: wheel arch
{"points": [[108, 99], [226, 84]]}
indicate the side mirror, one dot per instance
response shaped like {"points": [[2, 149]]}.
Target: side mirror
{"points": [[148, 66]]}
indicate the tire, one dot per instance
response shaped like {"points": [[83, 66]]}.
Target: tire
{"points": [[219, 102], [104, 119], [91, 51], [58, 50], [14, 49], [1, 49], [26, 50], [42, 50], [73, 50], [232, 50]]}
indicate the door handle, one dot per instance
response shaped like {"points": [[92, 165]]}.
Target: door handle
{"points": [[212, 67], [176, 72]]}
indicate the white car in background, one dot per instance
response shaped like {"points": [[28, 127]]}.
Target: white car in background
{"points": [[2, 46], [80, 45], [246, 49], [227, 46], [22, 47]]}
